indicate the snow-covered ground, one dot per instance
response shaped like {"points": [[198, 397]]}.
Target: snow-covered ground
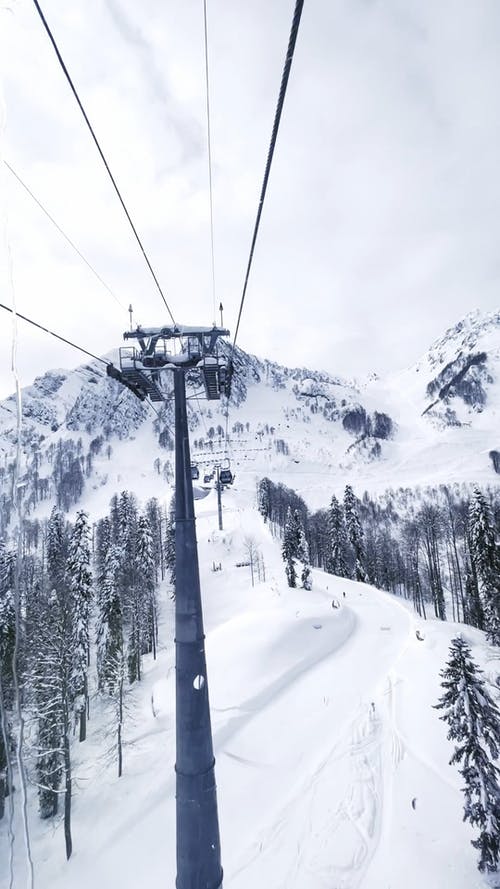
{"points": [[332, 766]]}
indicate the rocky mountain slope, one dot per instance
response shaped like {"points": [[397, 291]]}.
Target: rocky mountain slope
{"points": [[437, 421]]}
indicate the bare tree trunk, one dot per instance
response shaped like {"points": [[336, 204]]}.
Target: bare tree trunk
{"points": [[162, 562], [120, 726], [83, 723], [2, 796], [84, 711], [67, 789], [154, 629]]}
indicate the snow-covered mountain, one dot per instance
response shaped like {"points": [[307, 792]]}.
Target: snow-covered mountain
{"points": [[437, 421], [323, 718]]}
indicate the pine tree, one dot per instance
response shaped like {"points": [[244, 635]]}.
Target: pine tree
{"points": [[295, 548], [289, 548], [103, 543], [7, 622], [486, 558], [146, 570], [56, 690], [153, 515], [109, 636], [474, 723], [80, 581], [337, 562], [303, 554], [129, 583], [355, 532], [170, 543], [7, 646], [263, 498], [110, 645], [44, 683], [473, 611]]}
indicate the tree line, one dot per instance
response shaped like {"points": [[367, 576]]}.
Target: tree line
{"points": [[78, 613], [438, 547]]}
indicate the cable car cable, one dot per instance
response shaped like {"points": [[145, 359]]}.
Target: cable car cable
{"points": [[65, 236], [209, 143], [96, 141], [277, 117], [56, 335], [274, 135]]}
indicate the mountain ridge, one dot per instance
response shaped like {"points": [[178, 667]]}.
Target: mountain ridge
{"points": [[436, 421]]}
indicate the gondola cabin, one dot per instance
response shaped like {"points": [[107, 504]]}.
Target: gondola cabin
{"points": [[226, 477], [195, 472]]}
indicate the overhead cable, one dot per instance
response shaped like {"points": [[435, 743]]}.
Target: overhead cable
{"points": [[94, 137], [277, 117], [65, 236], [209, 142], [56, 335], [274, 135]]}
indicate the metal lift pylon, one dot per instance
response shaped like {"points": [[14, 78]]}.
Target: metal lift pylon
{"points": [[198, 841]]}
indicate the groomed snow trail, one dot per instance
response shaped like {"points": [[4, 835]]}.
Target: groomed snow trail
{"points": [[322, 792], [332, 766]]}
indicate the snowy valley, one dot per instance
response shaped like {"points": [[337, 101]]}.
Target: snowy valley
{"points": [[332, 766]]}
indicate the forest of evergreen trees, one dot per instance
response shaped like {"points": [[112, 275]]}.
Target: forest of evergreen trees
{"points": [[78, 613], [438, 547]]}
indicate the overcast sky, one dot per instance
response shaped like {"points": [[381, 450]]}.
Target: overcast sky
{"points": [[382, 221]]}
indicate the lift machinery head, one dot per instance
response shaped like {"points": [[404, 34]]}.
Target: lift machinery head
{"points": [[173, 347]]}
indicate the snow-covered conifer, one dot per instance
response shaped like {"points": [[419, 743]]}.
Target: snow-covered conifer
{"points": [[80, 582], [355, 532], [146, 570], [7, 643], [109, 634], [486, 557], [153, 515], [263, 498], [289, 548], [56, 681], [170, 543], [295, 548], [303, 554], [474, 724], [7, 622], [337, 561]]}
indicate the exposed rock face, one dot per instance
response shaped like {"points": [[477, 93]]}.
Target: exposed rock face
{"points": [[495, 459]]}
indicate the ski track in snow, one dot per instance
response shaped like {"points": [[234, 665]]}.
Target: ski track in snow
{"points": [[315, 784], [334, 827], [354, 825], [333, 851]]}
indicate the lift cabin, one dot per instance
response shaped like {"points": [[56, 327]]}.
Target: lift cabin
{"points": [[195, 472], [226, 477]]}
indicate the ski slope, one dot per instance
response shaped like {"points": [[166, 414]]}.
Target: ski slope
{"points": [[332, 768]]}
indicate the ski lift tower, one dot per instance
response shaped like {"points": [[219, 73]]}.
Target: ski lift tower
{"points": [[180, 349]]}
